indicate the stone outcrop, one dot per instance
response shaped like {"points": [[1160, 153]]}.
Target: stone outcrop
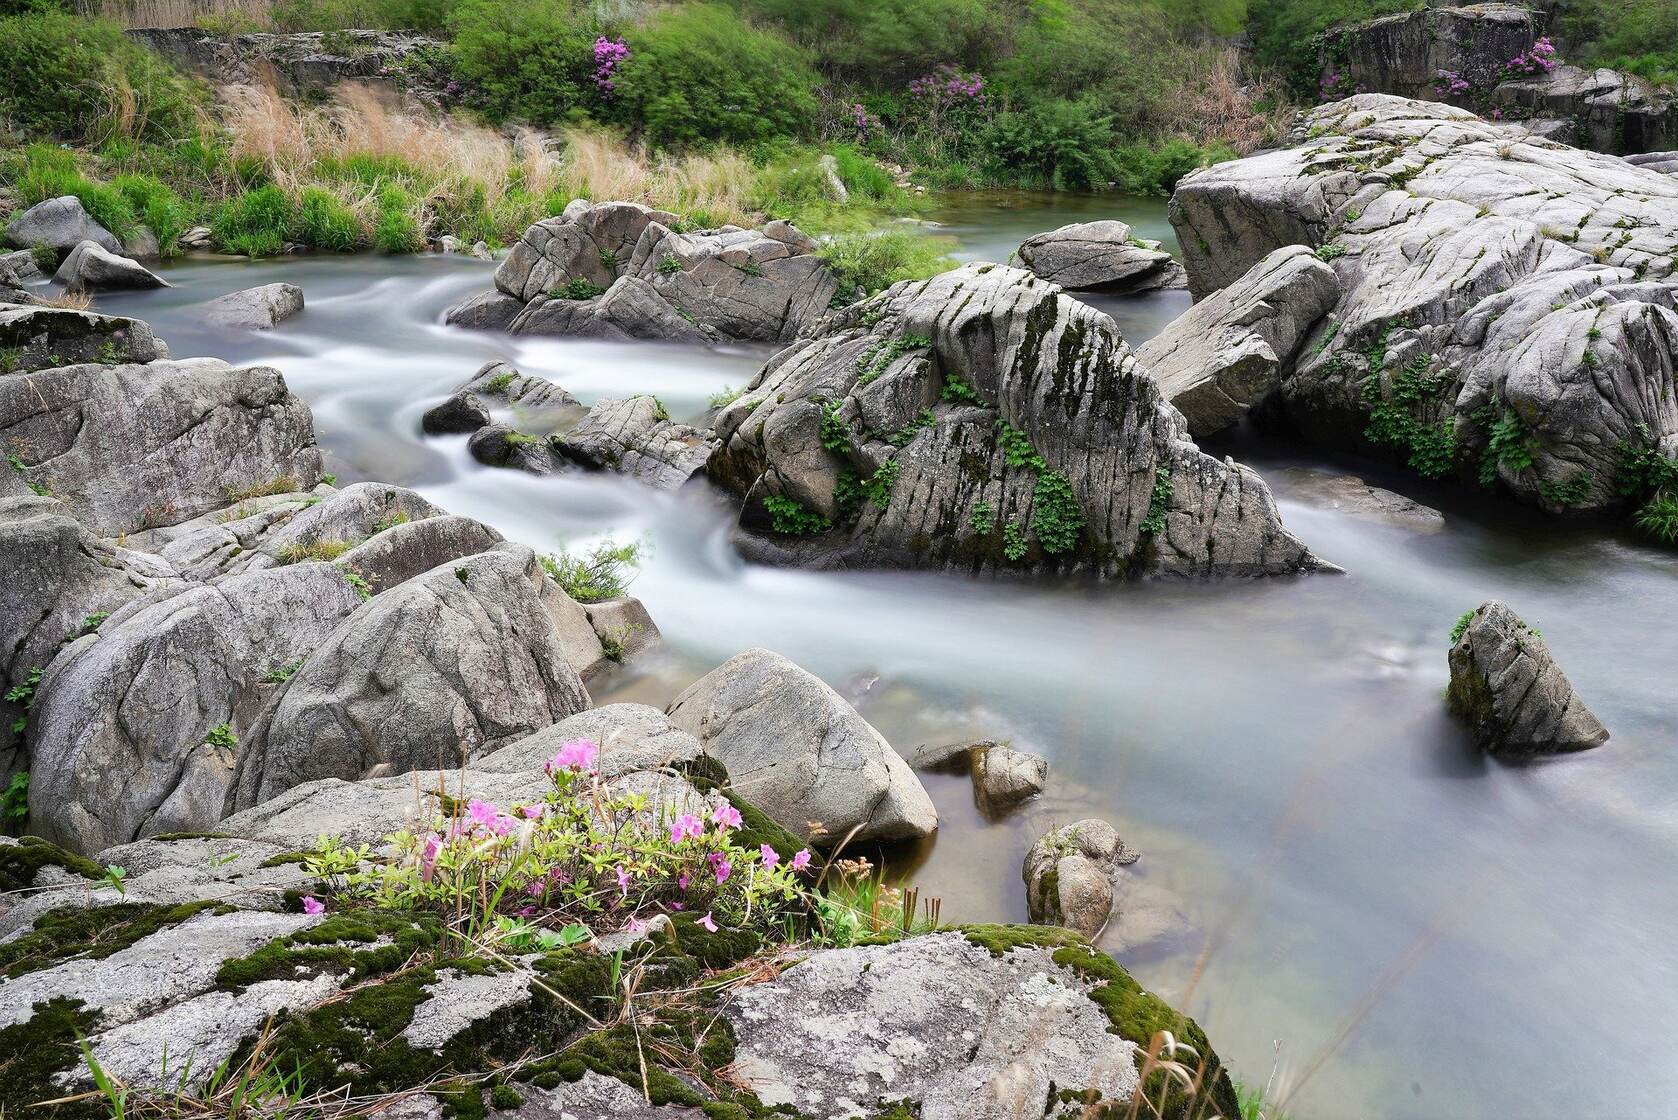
{"points": [[1507, 308], [35, 337], [1101, 256], [172, 439], [299, 63], [804, 755], [1601, 109], [257, 309], [1229, 351], [1511, 692], [59, 224], [623, 270], [984, 421], [90, 268], [1071, 874], [1350, 495], [636, 437]]}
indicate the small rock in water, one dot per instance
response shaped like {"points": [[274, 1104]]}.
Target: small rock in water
{"points": [[462, 412], [1354, 497], [1069, 875], [256, 309], [1003, 777], [1511, 691]]}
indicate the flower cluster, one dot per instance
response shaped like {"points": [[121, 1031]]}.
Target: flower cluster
{"points": [[1334, 85], [1540, 58], [947, 86], [583, 860], [865, 123], [1449, 83], [608, 54]]}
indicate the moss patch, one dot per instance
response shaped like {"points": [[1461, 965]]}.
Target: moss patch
{"points": [[19, 862], [32, 1052], [322, 948], [88, 933]]}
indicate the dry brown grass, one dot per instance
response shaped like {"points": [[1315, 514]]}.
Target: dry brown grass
{"points": [[1222, 106], [177, 13], [601, 166], [72, 301]]}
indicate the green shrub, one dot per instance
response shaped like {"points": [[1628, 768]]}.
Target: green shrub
{"points": [[1065, 145], [326, 223], [866, 262], [158, 207], [698, 73], [530, 61], [50, 172], [429, 16], [83, 81], [1156, 169], [255, 223], [602, 573], [1658, 517], [396, 230]]}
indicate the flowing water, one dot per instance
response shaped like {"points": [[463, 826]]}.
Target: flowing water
{"points": [[1328, 868]]}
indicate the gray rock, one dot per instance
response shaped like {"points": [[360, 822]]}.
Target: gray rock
{"points": [[135, 730], [1488, 282], [400, 553], [60, 224], [131, 447], [34, 337], [536, 403], [1511, 691], [1229, 351], [1070, 874], [452, 664], [933, 1019], [1354, 497], [923, 382], [298, 63], [625, 625], [805, 756], [462, 412], [498, 445], [1101, 256], [21, 266], [142, 245], [90, 268], [1609, 110], [583, 648], [487, 311], [1003, 777], [256, 309], [636, 437], [594, 1096], [1405, 53]]}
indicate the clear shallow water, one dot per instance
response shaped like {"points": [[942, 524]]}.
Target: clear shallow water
{"points": [[1461, 938]]}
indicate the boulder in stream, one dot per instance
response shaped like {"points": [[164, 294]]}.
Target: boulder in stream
{"points": [[59, 224], [90, 268], [1070, 875], [1101, 256], [1514, 696], [256, 309]]}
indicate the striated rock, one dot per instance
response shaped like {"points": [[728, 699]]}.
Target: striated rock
{"points": [[33, 337], [1229, 351], [1511, 691], [536, 403], [59, 224], [298, 63], [256, 309], [136, 728], [983, 420], [1003, 777], [1507, 308], [1609, 110], [498, 445], [449, 665], [1070, 875], [636, 437], [621, 270], [624, 627], [1666, 163], [1101, 256], [805, 756], [130, 447], [487, 311], [91, 268]]}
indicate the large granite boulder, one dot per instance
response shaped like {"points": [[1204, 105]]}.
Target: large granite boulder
{"points": [[801, 753], [36, 337], [91, 268], [131, 447], [984, 421], [1071, 875], [448, 666], [59, 224], [303, 63], [1405, 53], [1511, 691], [1101, 256], [623, 270], [256, 309], [136, 726], [1609, 110], [1507, 307], [1229, 351], [636, 437]]}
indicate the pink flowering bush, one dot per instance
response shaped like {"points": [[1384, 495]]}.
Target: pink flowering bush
{"points": [[1449, 84], [1540, 58], [583, 861], [608, 53]]}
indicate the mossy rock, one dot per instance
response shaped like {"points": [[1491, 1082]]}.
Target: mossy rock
{"points": [[34, 1052], [88, 933], [20, 862]]}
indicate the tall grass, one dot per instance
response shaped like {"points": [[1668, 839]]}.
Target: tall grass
{"points": [[713, 187], [176, 13]]}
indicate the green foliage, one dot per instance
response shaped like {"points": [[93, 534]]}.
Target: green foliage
{"points": [[156, 206], [724, 397], [982, 519], [1568, 493], [282, 673], [1286, 34], [14, 804], [1016, 448], [1055, 517], [1014, 543], [577, 289], [1658, 517], [358, 582], [1392, 420], [790, 518], [1460, 627], [83, 81], [1642, 468], [603, 572], [24, 694], [396, 230], [879, 357], [906, 434], [531, 62], [835, 433], [864, 263], [878, 487], [221, 735], [427, 16], [959, 391], [327, 223], [1159, 502], [697, 72], [1509, 444], [48, 171], [256, 223], [1062, 145]]}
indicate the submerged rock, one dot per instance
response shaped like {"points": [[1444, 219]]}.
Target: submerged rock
{"points": [[1101, 256], [59, 224], [1511, 691], [622, 270], [256, 309], [1508, 308], [463, 412], [90, 268], [1070, 875], [803, 755], [1352, 496], [983, 420]]}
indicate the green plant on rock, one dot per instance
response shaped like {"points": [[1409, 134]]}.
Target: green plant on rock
{"points": [[879, 357], [24, 694], [14, 804], [1056, 518], [1017, 450], [357, 582], [1015, 545], [578, 289], [1392, 421], [1159, 502], [1510, 445], [982, 519], [1658, 517], [598, 574], [221, 735], [878, 487], [1569, 493], [835, 433], [906, 434], [1460, 627], [790, 518]]}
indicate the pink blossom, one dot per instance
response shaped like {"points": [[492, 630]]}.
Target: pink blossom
{"points": [[678, 906], [724, 869], [687, 825], [707, 922], [623, 879], [313, 905], [726, 816], [533, 812], [635, 925], [801, 859], [575, 754], [770, 856], [429, 851], [483, 813], [682, 881]]}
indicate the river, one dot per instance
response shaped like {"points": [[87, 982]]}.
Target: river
{"points": [[1333, 881]]}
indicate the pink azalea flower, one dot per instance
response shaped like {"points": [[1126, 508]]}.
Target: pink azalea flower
{"points": [[801, 860], [313, 905], [687, 825], [428, 856], [707, 922], [635, 925], [483, 813], [623, 879], [726, 816], [770, 856], [576, 754], [682, 881], [724, 870], [677, 906], [533, 812]]}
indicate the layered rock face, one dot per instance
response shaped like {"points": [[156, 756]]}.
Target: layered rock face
{"points": [[1507, 305], [303, 62], [983, 420], [1101, 256], [623, 270], [1508, 687]]}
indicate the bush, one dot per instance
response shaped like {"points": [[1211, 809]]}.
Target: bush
{"points": [[1285, 32], [255, 223], [83, 81], [1065, 145], [326, 223], [598, 575], [429, 16], [158, 207], [866, 262], [530, 61], [697, 73], [1146, 169], [397, 231]]}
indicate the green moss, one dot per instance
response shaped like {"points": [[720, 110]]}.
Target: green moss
{"points": [[19, 863], [33, 1052], [88, 933], [505, 1097], [320, 949]]}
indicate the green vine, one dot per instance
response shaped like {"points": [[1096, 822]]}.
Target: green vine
{"points": [[788, 517], [1159, 502]]}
